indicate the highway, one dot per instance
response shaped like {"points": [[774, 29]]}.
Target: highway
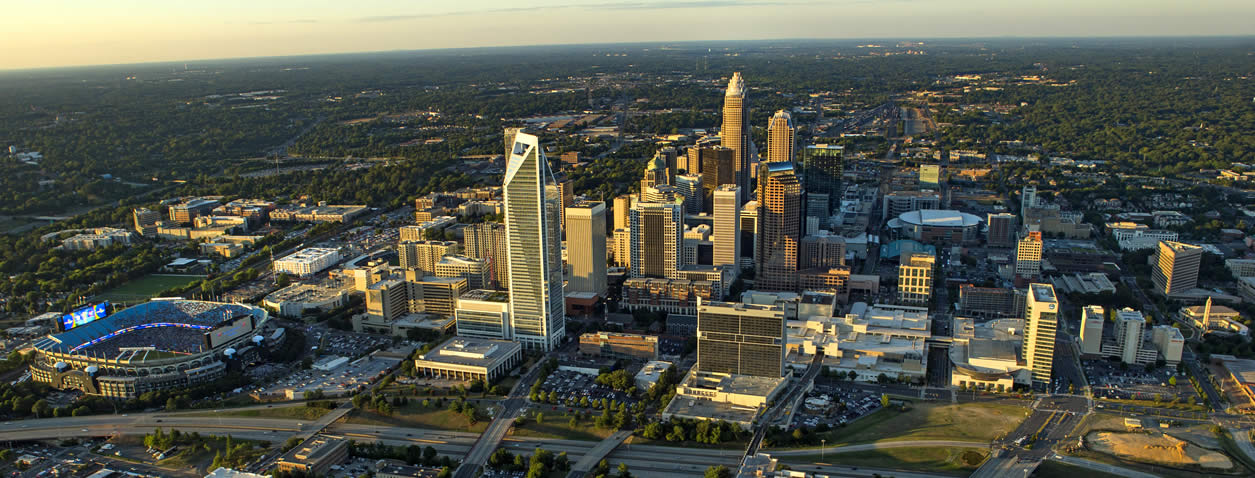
{"points": [[510, 408]]}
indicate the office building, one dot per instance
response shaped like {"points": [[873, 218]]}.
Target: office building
{"points": [[779, 228], [487, 242], [146, 221], [735, 133], [467, 359], [423, 255], [822, 250], [727, 233], [1028, 199], [657, 235], [740, 339], [1041, 319], [690, 187], [387, 300], [822, 167], [622, 247], [484, 314], [1002, 230], [1129, 328], [586, 247], [322, 212], [619, 346], [1241, 267], [434, 295], [915, 278], [316, 456], [1093, 318], [475, 271], [1176, 268], [655, 173], [1169, 342], [749, 231], [537, 305], [307, 262], [718, 169], [781, 137], [896, 203], [622, 204], [1028, 257], [990, 302], [930, 176], [677, 297], [184, 212]]}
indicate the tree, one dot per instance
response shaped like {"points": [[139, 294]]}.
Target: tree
{"points": [[1172, 380], [884, 400], [718, 471], [172, 404], [623, 471]]}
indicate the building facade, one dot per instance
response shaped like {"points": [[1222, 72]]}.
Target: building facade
{"points": [[533, 207], [779, 228], [740, 339], [1041, 319]]}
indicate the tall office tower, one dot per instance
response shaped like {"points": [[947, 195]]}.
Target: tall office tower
{"points": [[1028, 199], [655, 172], [735, 133], [566, 192], [1028, 257], [423, 255], [510, 133], [818, 213], [1130, 325], [661, 193], [718, 169], [822, 166], [779, 228], [727, 222], [146, 221], [586, 247], [1041, 318], [537, 305], [821, 251], [622, 204], [623, 247], [690, 186], [749, 232], [781, 137], [1176, 270], [693, 160], [657, 238], [670, 157], [930, 176], [487, 241], [740, 339], [915, 277], [1001, 229], [1092, 319]]}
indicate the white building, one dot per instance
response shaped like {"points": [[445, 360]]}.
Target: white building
{"points": [[307, 262], [533, 207], [727, 222], [869, 340], [1092, 319], [1169, 342]]}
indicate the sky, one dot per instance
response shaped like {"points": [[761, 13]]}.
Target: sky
{"points": [[51, 33]]}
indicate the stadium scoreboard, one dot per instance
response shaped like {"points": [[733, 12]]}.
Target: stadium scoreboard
{"points": [[84, 316], [236, 328]]}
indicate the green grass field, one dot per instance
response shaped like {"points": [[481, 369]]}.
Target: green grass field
{"points": [[932, 421], [415, 416], [1054, 469], [558, 426], [146, 287], [953, 461], [300, 412]]}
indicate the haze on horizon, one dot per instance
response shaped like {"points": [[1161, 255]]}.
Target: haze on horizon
{"points": [[88, 32]]}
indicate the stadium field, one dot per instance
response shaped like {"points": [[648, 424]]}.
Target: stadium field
{"points": [[146, 287]]}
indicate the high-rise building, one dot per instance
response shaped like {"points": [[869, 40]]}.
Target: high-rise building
{"points": [[1130, 326], [1169, 342], [1092, 319], [779, 228], [475, 271], [822, 167], [740, 339], [690, 186], [821, 250], [915, 277], [657, 238], [749, 232], [622, 240], [727, 222], [1176, 269], [1028, 257], [487, 242], [1028, 199], [510, 133], [735, 132], [565, 191], [781, 137], [586, 247], [423, 255], [655, 173], [537, 304], [622, 204], [670, 157], [1041, 319], [718, 169], [1001, 229]]}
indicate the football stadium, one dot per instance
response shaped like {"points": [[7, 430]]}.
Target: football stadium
{"points": [[164, 343]]}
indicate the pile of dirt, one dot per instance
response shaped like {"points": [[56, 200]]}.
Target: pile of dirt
{"points": [[1155, 447]]}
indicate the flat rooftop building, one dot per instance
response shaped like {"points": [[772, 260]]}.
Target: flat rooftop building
{"points": [[315, 456], [464, 358]]}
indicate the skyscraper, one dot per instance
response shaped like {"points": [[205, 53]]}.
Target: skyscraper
{"points": [[1028, 199], [566, 193], [718, 169], [1176, 269], [586, 247], [740, 339], [735, 133], [822, 167], [749, 232], [537, 305], [779, 228], [1041, 318], [1028, 257], [781, 137], [655, 173], [487, 242], [690, 186], [657, 238], [727, 222], [621, 206], [1001, 229]]}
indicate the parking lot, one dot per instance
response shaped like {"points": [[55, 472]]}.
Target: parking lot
{"points": [[342, 380], [347, 344], [1110, 380], [834, 406], [571, 387]]}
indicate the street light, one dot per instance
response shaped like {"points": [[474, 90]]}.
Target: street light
{"points": [[822, 443]]}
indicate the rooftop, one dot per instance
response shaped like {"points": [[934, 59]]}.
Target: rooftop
{"points": [[471, 351], [1043, 292], [939, 218]]}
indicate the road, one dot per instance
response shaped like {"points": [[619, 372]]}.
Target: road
{"points": [[603, 448], [511, 407], [782, 402], [1103, 467], [882, 446]]}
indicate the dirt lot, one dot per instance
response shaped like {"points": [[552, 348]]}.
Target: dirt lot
{"points": [[1155, 447]]}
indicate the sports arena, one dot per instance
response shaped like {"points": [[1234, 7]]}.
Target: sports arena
{"points": [[165, 343]]}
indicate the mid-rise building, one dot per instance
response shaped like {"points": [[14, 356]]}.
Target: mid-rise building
{"points": [[465, 358], [1028, 199], [1002, 230], [896, 203], [1041, 319], [727, 222], [622, 204], [586, 247], [1130, 326], [915, 278], [619, 346], [1169, 342], [434, 295], [655, 173], [316, 456], [184, 212], [779, 228], [676, 297], [146, 221], [1176, 268], [533, 235], [930, 176], [475, 271], [1028, 257], [307, 262], [781, 137], [657, 235], [387, 300], [484, 314], [487, 242], [822, 167], [822, 250], [740, 339], [1092, 319], [423, 255], [990, 302], [718, 169], [1241, 267], [690, 187]]}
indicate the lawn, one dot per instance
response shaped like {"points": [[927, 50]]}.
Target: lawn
{"points": [[1054, 469], [947, 460], [415, 416], [297, 412], [932, 421], [559, 427], [146, 287]]}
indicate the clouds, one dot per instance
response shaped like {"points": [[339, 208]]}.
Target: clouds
{"points": [[614, 6]]}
